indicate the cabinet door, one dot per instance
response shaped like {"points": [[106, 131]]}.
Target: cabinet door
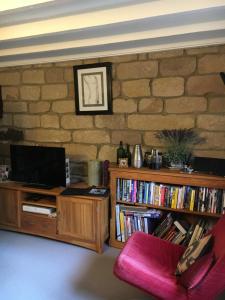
{"points": [[77, 218], [9, 208]]}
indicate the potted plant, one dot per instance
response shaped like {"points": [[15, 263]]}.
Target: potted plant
{"points": [[179, 144]]}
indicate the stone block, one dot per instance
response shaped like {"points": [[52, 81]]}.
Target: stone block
{"points": [[70, 63], [168, 87], [211, 122], [30, 93], [47, 135], [71, 94], [136, 88], [202, 50], [210, 153], [63, 106], [68, 74], [150, 105], [137, 70], [159, 122], [76, 122], [54, 75], [119, 58], [91, 136], [116, 88], [14, 107], [9, 78], [130, 137], [211, 64], [217, 104], [143, 56], [26, 121], [180, 66], [6, 120], [107, 152], [10, 93], [213, 140], [54, 91], [39, 107], [42, 66], [185, 105], [205, 84], [124, 106], [81, 152], [165, 54], [33, 76], [151, 140], [49, 121], [110, 121]]}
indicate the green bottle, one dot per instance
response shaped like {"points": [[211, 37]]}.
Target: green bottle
{"points": [[120, 152], [128, 154]]}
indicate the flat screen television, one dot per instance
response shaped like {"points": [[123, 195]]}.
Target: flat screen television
{"points": [[38, 166]]}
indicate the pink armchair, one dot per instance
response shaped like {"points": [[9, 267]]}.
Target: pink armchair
{"points": [[149, 263]]}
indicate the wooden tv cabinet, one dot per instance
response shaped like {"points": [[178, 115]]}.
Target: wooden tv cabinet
{"points": [[79, 220]]}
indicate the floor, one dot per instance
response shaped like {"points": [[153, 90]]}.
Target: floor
{"points": [[34, 268]]}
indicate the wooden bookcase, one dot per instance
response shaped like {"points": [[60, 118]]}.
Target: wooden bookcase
{"points": [[79, 220], [163, 176]]}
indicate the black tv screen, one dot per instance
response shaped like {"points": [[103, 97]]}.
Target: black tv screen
{"points": [[38, 165]]}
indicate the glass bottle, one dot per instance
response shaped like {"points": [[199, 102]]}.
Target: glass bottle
{"points": [[120, 152], [128, 154], [155, 159]]}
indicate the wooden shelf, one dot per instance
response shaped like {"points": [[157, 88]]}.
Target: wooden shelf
{"points": [[41, 202], [184, 211], [162, 176], [79, 220]]}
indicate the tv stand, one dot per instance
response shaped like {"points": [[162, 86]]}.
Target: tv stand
{"points": [[38, 186], [79, 220]]}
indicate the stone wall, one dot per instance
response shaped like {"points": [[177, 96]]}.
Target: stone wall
{"points": [[151, 91]]}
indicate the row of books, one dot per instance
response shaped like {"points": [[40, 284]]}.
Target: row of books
{"points": [[201, 199], [130, 219], [180, 231]]}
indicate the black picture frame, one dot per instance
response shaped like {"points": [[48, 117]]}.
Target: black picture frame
{"points": [[93, 89]]}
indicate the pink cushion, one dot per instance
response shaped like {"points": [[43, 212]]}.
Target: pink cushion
{"points": [[149, 263], [196, 272]]}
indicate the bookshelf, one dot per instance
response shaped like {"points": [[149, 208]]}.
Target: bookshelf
{"points": [[163, 177]]}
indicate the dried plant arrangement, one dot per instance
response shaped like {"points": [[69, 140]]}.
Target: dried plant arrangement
{"points": [[179, 145]]}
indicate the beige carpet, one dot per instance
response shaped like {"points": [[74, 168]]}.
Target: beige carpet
{"points": [[34, 268]]}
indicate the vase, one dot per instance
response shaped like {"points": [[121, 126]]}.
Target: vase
{"points": [[94, 172], [137, 157]]}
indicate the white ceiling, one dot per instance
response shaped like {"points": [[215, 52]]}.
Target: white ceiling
{"points": [[35, 31]]}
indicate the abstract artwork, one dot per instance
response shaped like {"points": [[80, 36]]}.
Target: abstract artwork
{"points": [[93, 89]]}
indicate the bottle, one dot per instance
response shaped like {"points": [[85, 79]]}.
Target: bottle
{"points": [[137, 156], [155, 159], [120, 152], [128, 155]]}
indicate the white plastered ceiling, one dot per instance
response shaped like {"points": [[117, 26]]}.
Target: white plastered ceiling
{"points": [[37, 31]]}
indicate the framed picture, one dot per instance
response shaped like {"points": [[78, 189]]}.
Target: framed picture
{"points": [[93, 89]]}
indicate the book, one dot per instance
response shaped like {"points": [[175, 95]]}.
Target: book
{"points": [[180, 227], [118, 232], [122, 227], [195, 232], [188, 235], [38, 209]]}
